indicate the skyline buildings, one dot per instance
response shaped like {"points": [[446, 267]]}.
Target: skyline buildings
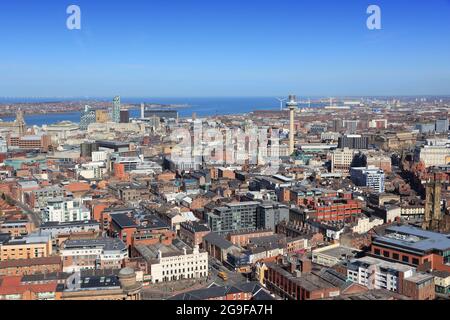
{"points": [[151, 195], [115, 114]]}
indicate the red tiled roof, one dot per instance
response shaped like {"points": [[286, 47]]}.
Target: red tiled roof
{"points": [[29, 262], [78, 187], [12, 285]]}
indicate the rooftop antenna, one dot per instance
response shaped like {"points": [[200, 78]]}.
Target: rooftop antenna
{"points": [[282, 100]]}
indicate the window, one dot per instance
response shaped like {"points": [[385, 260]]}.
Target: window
{"points": [[395, 256], [386, 254], [377, 252], [405, 259], [415, 261]]}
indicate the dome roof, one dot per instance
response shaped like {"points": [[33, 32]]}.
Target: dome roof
{"points": [[126, 272]]}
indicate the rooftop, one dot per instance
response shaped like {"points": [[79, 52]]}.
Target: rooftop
{"points": [[414, 238], [123, 221], [338, 252], [48, 225], [152, 253], [218, 241], [370, 261], [105, 243]]}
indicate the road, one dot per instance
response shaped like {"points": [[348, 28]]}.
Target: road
{"points": [[234, 278], [35, 218]]}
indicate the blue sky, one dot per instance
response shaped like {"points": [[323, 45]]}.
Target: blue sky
{"points": [[181, 48]]}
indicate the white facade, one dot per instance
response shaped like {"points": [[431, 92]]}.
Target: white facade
{"points": [[99, 156], [92, 170], [275, 252], [433, 155], [364, 225], [183, 266], [93, 254], [65, 210], [341, 160], [375, 273], [3, 146]]}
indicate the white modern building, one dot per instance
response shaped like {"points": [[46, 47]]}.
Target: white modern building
{"points": [[99, 156], [375, 273], [65, 210], [169, 263], [92, 254], [92, 170]]}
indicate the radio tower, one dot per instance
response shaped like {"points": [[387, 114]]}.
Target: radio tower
{"points": [[292, 105]]}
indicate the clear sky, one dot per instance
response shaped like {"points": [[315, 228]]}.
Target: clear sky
{"points": [[181, 48]]}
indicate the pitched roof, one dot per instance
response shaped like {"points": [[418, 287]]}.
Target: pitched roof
{"points": [[29, 262], [218, 241]]}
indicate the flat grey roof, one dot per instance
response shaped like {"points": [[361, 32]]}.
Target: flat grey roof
{"points": [[414, 238], [218, 240], [339, 252], [106, 243]]}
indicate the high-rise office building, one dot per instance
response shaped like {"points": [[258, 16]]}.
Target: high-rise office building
{"points": [[116, 110], [88, 116], [124, 116]]}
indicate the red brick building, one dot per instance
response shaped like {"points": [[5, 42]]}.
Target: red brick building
{"points": [[335, 209], [419, 287], [193, 233], [243, 238], [308, 286], [408, 245], [30, 266]]}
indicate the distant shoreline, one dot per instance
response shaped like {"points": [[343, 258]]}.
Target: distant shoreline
{"points": [[129, 107]]}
